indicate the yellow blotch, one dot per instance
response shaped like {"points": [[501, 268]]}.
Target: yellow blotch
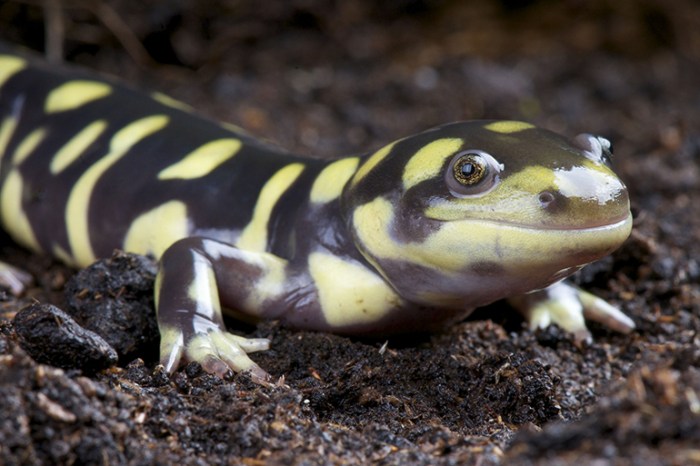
{"points": [[14, 218], [79, 199], [74, 148], [74, 94], [348, 292], [28, 144], [203, 160], [428, 161], [372, 162], [9, 66], [254, 235], [154, 231], [235, 128], [372, 221], [330, 182], [61, 254], [506, 127], [269, 286], [170, 102], [6, 131]]}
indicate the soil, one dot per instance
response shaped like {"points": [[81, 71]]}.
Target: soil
{"points": [[336, 78]]}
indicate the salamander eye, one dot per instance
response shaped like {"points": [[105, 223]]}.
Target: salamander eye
{"points": [[471, 173], [469, 169]]}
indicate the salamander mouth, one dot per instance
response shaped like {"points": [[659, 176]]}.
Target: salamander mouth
{"points": [[614, 223]]}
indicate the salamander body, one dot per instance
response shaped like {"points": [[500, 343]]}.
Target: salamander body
{"points": [[412, 236]]}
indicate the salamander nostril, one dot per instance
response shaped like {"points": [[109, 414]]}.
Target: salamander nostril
{"points": [[546, 198]]}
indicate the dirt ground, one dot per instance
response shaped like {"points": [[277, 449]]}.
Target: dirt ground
{"points": [[336, 78]]}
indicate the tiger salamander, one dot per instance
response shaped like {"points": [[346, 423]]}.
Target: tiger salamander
{"points": [[412, 236]]}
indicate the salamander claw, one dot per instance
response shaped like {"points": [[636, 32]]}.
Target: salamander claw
{"points": [[219, 353], [171, 350], [599, 310], [569, 307]]}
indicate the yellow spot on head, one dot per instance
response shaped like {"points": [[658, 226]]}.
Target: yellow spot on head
{"points": [[350, 293], [202, 161], [154, 231], [372, 162], [74, 94], [254, 235], [506, 127], [77, 221], [28, 144], [9, 66], [74, 148], [14, 218], [428, 161], [330, 182]]}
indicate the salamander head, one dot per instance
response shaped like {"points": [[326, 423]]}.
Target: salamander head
{"points": [[468, 213]]}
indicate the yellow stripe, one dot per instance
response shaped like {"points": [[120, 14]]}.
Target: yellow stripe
{"points": [[372, 162], [170, 102], [61, 254], [329, 184], [203, 160], [348, 292], [270, 284], [74, 94], [28, 144], [427, 163], [9, 66], [74, 148], [79, 199], [234, 128], [507, 127], [14, 218], [203, 289], [156, 230], [254, 235]]}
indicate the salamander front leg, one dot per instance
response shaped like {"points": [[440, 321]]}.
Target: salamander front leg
{"points": [[569, 307], [196, 275]]}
